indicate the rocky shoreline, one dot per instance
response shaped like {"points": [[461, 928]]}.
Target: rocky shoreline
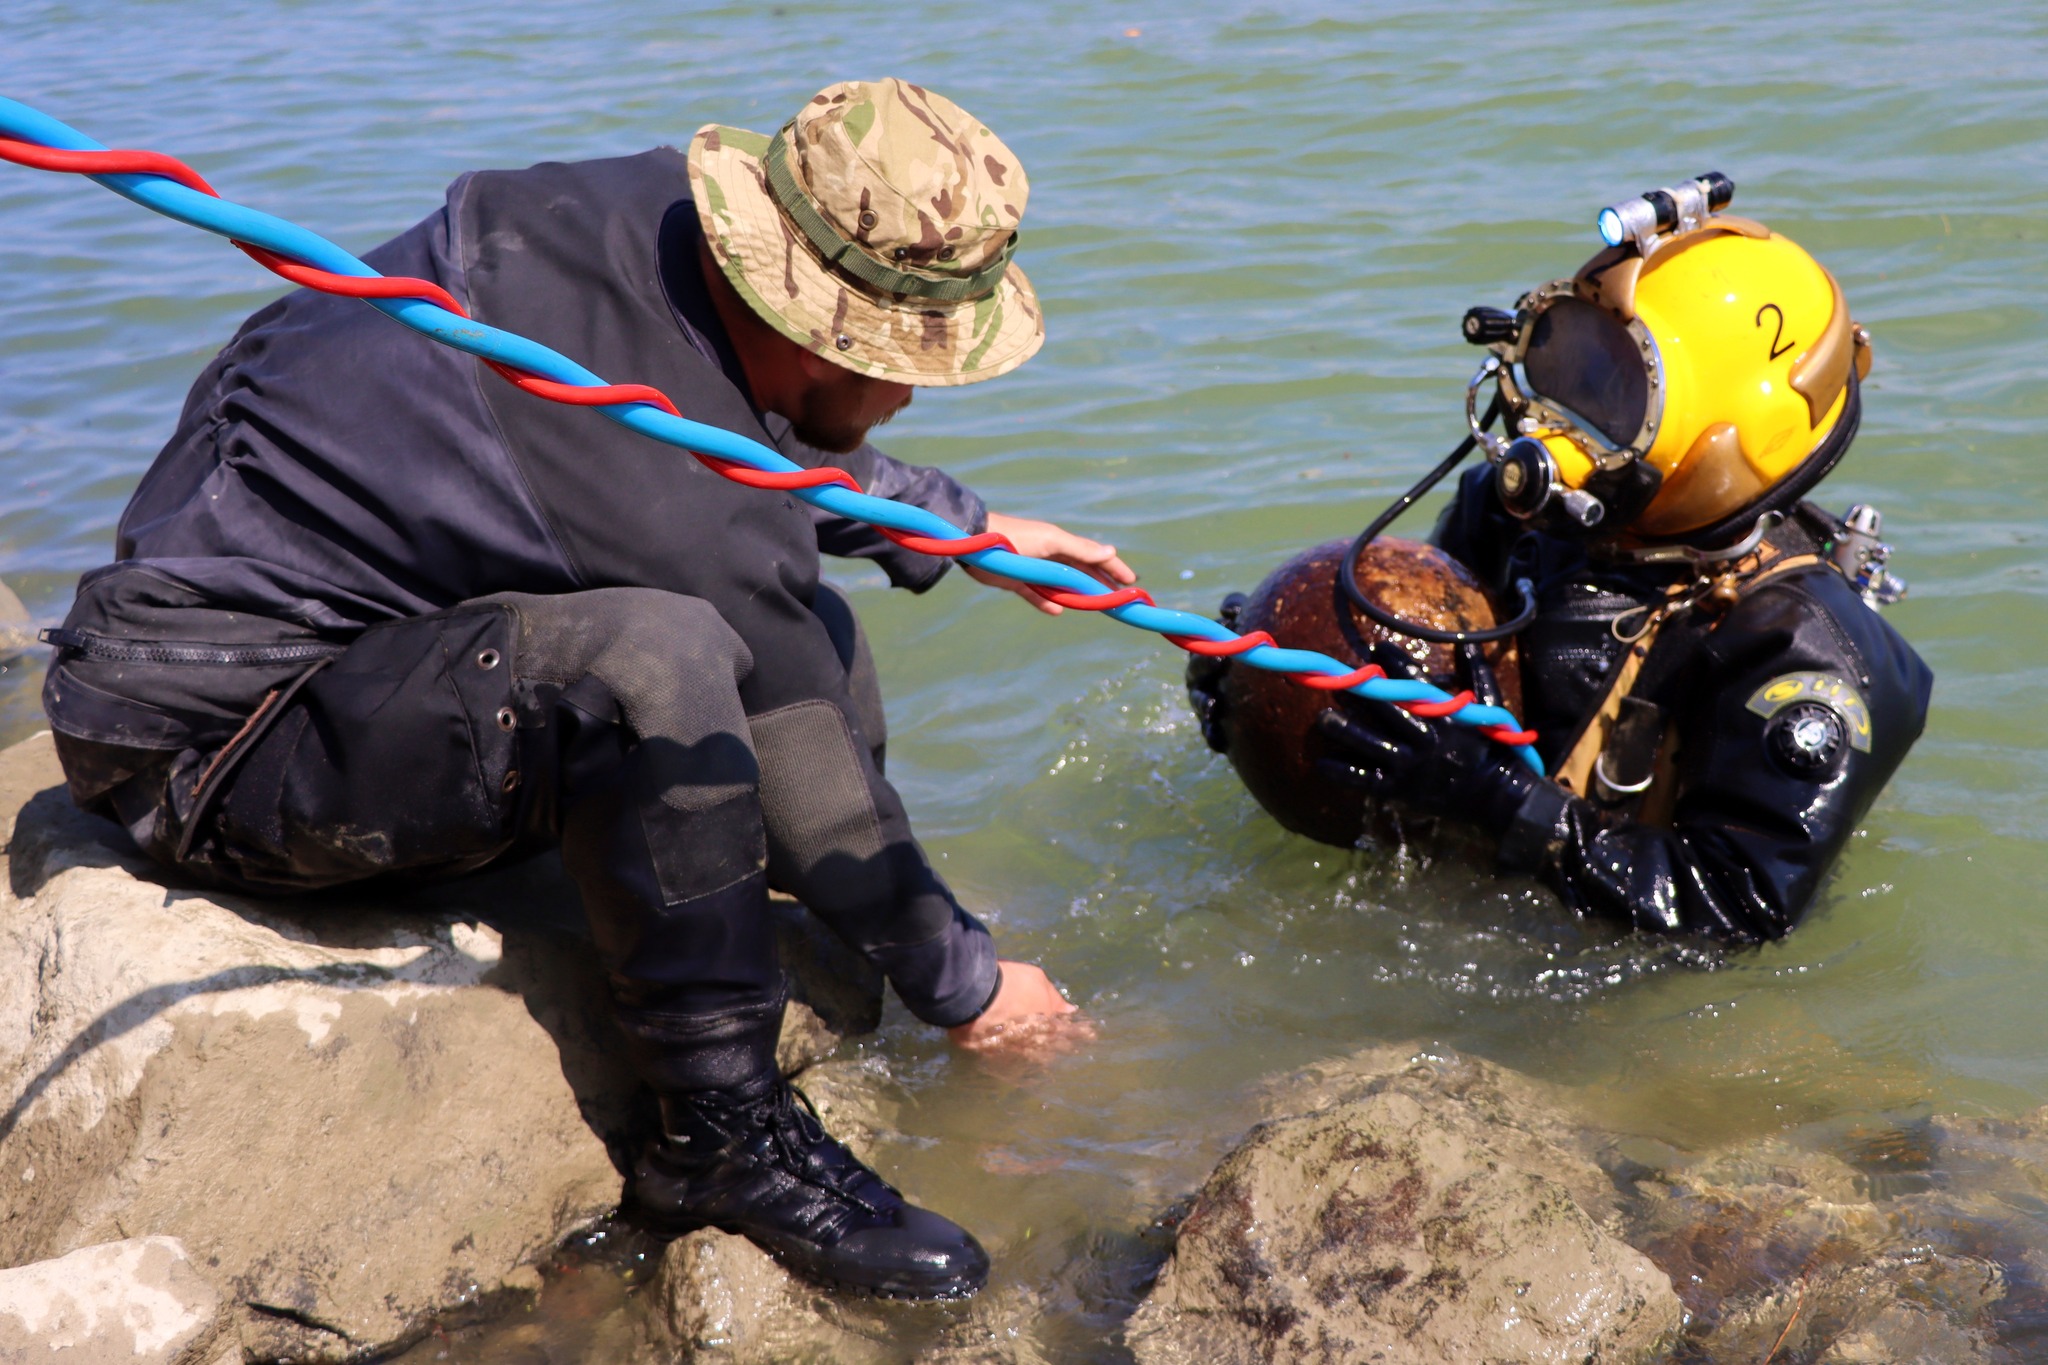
{"points": [[1411, 1207], [243, 1131], [309, 1131]]}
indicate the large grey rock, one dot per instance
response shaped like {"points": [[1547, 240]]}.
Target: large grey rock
{"points": [[134, 1302], [1381, 1230], [354, 1120], [1531, 1124], [1425, 1206], [359, 1115]]}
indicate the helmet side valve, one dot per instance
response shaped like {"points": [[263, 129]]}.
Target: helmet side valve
{"points": [[1863, 558], [1485, 326], [1582, 507]]}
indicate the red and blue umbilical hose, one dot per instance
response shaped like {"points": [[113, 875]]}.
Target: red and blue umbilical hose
{"points": [[170, 187]]}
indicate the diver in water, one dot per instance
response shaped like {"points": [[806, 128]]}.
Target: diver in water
{"points": [[375, 613], [1716, 698]]}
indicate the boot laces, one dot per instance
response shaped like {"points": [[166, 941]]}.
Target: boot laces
{"points": [[789, 1124]]}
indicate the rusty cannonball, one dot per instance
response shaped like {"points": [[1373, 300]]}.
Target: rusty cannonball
{"points": [[1273, 741]]}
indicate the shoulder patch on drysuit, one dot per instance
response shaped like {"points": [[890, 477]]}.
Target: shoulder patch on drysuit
{"points": [[1800, 704]]}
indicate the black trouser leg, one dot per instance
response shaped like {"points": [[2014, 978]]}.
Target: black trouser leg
{"points": [[839, 838], [660, 823], [863, 686], [609, 720]]}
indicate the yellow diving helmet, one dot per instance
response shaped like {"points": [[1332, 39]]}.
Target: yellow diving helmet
{"points": [[1698, 373]]}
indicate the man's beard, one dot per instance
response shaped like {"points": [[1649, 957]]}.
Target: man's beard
{"points": [[829, 425]]}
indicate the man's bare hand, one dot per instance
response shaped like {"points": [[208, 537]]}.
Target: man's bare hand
{"points": [[1028, 1015], [1043, 540]]}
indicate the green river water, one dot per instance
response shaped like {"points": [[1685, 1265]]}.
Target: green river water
{"points": [[1254, 229]]}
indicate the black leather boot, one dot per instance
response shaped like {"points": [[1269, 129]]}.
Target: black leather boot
{"points": [[754, 1160]]}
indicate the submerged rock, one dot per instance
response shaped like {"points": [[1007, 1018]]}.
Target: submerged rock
{"points": [[133, 1302], [1387, 1228], [1775, 1246], [1531, 1124], [358, 1114], [1889, 1309], [721, 1298]]}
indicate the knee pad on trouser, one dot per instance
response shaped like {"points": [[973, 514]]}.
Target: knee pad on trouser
{"points": [[825, 838], [832, 842]]}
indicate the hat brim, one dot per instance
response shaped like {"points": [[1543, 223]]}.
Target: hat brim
{"points": [[775, 269]]}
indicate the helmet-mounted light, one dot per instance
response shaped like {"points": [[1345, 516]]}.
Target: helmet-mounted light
{"points": [[1667, 212]]}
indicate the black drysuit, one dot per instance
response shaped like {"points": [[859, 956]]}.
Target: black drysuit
{"points": [[374, 611], [1785, 713]]}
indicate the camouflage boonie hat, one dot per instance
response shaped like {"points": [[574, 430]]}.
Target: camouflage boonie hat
{"points": [[876, 228]]}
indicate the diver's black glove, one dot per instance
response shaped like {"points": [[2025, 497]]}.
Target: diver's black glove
{"points": [[1205, 683], [1432, 766]]}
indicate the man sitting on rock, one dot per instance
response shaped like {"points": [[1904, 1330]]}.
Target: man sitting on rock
{"points": [[375, 612]]}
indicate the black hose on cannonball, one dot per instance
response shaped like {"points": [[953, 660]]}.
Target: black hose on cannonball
{"points": [[1347, 577]]}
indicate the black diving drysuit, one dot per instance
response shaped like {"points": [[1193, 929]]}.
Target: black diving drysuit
{"points": [[376, 611], [1763, 718], [1712, 736]]}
